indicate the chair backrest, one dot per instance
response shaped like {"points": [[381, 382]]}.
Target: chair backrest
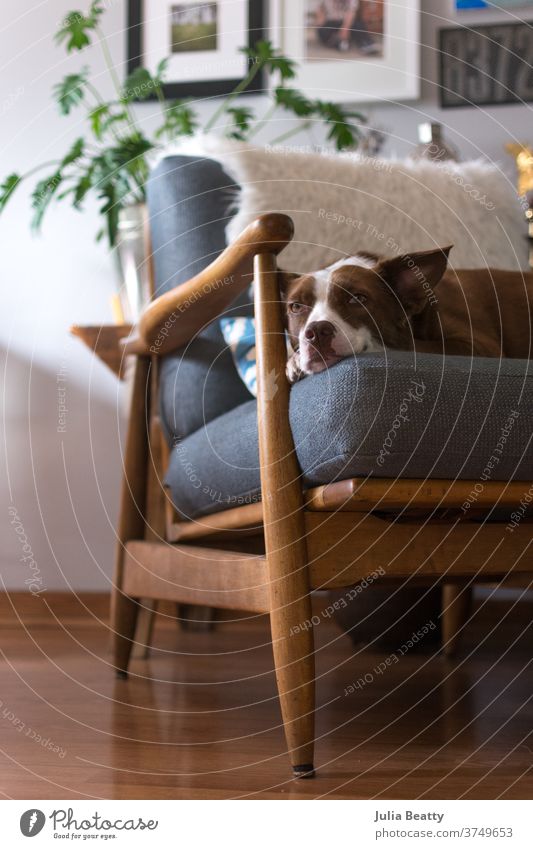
{"points": [[190, 203], [344, 203]]}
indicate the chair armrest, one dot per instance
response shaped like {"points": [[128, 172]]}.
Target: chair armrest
{"points": [[106, 342], [174, 318]]}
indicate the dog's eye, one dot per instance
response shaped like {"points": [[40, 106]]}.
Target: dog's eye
{"points": [[358, 298], [296, 307]]}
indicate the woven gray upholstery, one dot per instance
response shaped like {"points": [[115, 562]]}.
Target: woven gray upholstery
{"points": [[383, 415]]}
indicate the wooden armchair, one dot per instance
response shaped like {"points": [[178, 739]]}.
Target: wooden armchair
{"points": [[268, 557]]}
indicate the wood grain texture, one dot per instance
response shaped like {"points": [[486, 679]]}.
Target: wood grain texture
{"points": [[200, 719], [124, 610], [154, 530], [104, 341], [284, 527], [362, 494], [174, 318], [358, 495], [342, 550], [196, 575], [246, 519], [144, 628]]}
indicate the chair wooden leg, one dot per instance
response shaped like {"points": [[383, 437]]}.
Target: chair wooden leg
{"points": [[284, 526], [456, 604], [195, 617], [293, 648], [124, 613], [144, 629], [124, 610]]}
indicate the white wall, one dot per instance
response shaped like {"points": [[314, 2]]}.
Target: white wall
{"points": [[476, 132], [65, 485]]}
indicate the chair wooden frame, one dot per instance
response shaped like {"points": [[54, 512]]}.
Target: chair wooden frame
{"points": [[268, 557]]}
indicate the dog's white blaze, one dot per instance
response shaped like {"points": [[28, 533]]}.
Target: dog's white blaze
{"points": [[348, 340], [362, 261]]}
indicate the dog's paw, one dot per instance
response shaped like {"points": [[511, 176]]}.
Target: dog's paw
{"points": [[293, 370]]}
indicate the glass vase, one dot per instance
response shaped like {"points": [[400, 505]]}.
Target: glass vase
{"points": [[131, 258]]}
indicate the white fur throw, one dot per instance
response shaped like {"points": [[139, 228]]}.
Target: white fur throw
{"points": [[345, 203]]}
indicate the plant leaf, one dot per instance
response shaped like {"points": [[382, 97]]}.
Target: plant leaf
{"points": [[116, 194], [81, 188], [77, 26], [7, 188], [71, 91], [266, 55], [294, 101], [162, 69], [262, 51], [41, 196], [341, 131], [121, 161], [96, 10], [76, 152], [95, 117], [111, 211], [285, 67], [129, 149], [180, 120], [242, 117], [102, 119], [118, 174], [343, 135], [139, 85]]}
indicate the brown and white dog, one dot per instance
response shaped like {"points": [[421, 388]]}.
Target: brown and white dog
{"points": [[365, 303]]}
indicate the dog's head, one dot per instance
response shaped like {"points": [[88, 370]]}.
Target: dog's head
{"points": [[358, 304]]}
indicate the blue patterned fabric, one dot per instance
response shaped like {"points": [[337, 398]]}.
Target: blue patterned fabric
{"points": [[239, 335]]}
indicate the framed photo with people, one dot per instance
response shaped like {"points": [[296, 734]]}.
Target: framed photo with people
{"points": [[352, 50], [202, 39]]}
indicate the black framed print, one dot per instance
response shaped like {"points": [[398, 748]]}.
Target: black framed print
{"points": [[486, 65], [201, 39]]}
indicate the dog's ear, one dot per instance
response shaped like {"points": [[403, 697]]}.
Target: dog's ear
{"points": [[370, 256], [285, 279], [414, 276]]}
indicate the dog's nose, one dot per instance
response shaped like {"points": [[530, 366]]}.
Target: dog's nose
{"points": [[319, 332]]}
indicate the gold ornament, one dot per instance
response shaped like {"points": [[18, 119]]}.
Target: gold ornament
{"points": [[523, 155]]}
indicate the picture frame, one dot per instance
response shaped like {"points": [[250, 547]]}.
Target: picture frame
{"points": [[207, 62], [353, 72], [471, 5], [465, 52]]}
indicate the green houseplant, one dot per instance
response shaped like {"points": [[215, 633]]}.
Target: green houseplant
{"points": [[112, 159]]}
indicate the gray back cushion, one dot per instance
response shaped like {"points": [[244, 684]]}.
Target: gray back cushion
{"points": [[189, 203]]}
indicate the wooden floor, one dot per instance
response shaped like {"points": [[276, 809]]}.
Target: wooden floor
{"points": [[200, 719]]}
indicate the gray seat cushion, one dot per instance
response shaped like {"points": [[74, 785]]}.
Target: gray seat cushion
{"points": [[384, 415], [189, 203]]}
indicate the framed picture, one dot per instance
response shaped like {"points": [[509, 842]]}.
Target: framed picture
{"points": [[486, 65], [353, 50], [460, 5], [202, 40]]}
